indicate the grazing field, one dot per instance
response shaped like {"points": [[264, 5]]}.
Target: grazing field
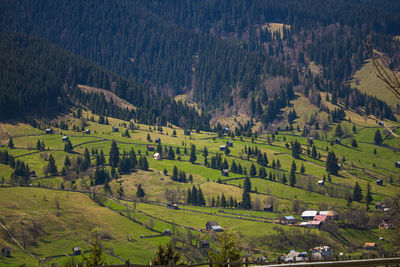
{"points": [[71, 220]]}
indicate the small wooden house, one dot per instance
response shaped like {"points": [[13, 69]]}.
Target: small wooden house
{"points": [[397, 164], [115, 129], [213, 227], [6, 252], [227, 130], [173, 206], [49, 131], [186, 132], [157, 140], [222, 148], [309, 214], [76, 251], [204, 244], [268, 207], [65, 138], [87, 131], [33, 174], [157, 156], [150, 148], [225, 172], [379, 182], [229, 144], [381, 123], [167, 232], [321, 182], [338, 140], [288, 220]]}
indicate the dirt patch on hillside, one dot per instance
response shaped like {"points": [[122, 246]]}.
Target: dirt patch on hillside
{"points": [[109, 95]]}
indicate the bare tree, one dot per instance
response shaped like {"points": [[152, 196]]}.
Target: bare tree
{"points": [[388, 76]]}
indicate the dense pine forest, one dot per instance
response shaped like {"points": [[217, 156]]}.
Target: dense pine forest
{"points": [[40, 79], [218, 52]]}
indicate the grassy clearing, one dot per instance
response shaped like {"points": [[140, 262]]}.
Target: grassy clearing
{"points": [[69, 224]]}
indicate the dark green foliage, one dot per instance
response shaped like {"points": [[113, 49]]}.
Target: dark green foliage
{"points": [[354, 143], [68, 146], [51, 166], [296, 149], [101, 176], [253, 171], [246, 200], [339, 131], [10, 143], [368, 196], [143, 163], [114, 154], [193, 156], [171, 154], [332, 164], [378, 138], [357, 193], [292, 176], [195, 197], [20, 175], [165, 254], [140, 192]]}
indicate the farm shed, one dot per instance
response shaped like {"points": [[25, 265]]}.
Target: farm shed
{"points": [[186, 132], [115, 129], [157, 140], [6, 252], [65, 138], [213, 226], [49, 131], [229, 144], [225, 172], [309, 214], [157, 156], [76, 251]]}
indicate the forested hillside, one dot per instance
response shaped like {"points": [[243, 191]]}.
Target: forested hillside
{"points": [[40, 79], [220, 53]]}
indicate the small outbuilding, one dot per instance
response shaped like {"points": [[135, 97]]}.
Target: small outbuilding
{"points": [[49, 131], [338, 140], [157, 140], [157, 156], [380, 206], [321, 182], [309, 214], [379, 182], [115, 129], [321, 218], [33, 174], [222, 148], [167, 232], [87, 131], [321, 253], [288, 220], [269, 207], [225, 172], [314, 224], [229, 144], [397, 164], [150, 148], [76, 251], [227, 130], [65, 138], [6, 252], [213, 227], [381, 123], [186, 132], [172, 206]]}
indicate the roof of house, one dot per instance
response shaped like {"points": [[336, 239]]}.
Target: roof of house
{"points": [[370, 245], [321, 218], [303, 224], [309, 213], [321, 181], [216, 227], [76, 248], [289, 217], [225, 170], [223, 146], [317, 223], [156, 154], [212, 223]]}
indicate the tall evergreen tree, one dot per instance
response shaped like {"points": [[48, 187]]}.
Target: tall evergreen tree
{"points": [[193, 157], [292, 177], [114, 154], [332, 163], [357, 192], [51, 166], [378, 138]]}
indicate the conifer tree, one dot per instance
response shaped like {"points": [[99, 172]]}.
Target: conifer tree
{"points": [[114, 154], [357, 192], [140, 192], [10, 143], [253, 171], [51, 166], [292, 177], [368, 196], [193, 157], [332, 163], [378, 138]]}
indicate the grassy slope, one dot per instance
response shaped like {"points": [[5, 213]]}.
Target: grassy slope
{"points": [[69, 225]]}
